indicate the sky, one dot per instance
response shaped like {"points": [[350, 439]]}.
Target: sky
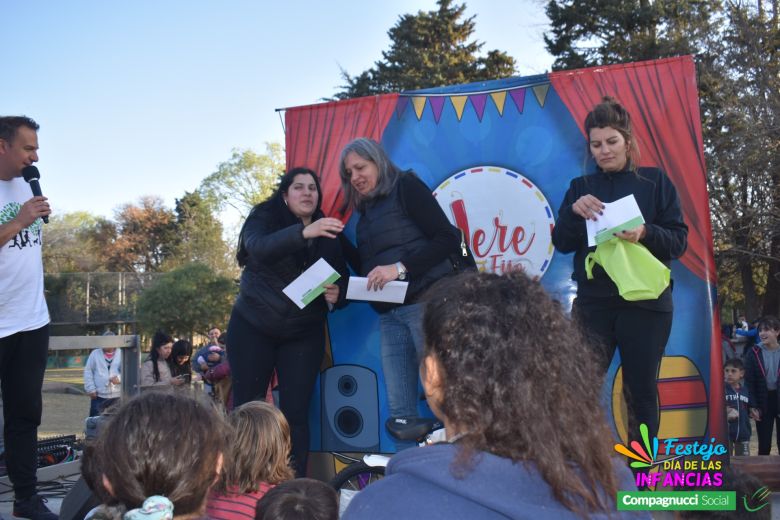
{"points": [[147, 97]]}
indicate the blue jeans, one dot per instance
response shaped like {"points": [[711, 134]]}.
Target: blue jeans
{"points": [[402, 346], [98, 404]]}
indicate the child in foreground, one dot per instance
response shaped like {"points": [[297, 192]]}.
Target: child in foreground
{"points": [[258, 459], [148, 462]]}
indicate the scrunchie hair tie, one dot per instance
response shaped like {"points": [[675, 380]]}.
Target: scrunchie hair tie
{"points": [[153, 508]]}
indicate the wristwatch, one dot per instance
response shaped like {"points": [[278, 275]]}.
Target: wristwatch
{"points": [[401, 270]]}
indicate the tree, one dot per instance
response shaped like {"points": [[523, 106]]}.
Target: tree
{"points": [[69, 243], [200, 236], [429, 49], [142, 238], [743, 140], [587, 33], [244, 180], [185, 300], [735, 48]]}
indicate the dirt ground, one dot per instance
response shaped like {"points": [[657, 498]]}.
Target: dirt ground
{"points": [[64, 409]]}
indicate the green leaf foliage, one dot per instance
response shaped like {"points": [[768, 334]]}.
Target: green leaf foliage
{"points": [[245, 179], [186, 299]]}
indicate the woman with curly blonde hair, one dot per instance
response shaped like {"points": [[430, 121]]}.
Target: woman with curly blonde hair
{"points": [[526, 434], [258, 458]]}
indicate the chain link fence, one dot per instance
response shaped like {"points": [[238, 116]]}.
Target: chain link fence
{"points": [[95, 298]]}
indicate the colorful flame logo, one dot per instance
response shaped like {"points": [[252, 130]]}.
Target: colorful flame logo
{"points": [[644, 457]]}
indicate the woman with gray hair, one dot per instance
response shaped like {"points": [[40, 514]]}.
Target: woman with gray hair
{"points": [[402, 234]]}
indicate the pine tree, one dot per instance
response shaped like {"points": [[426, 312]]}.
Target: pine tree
{"points": [[599, 32], [429, 49]]}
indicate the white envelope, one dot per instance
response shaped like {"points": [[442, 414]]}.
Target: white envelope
{"points": [[392, 292]]}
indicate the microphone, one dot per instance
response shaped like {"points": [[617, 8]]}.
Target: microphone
{"points": [[31, 175]]}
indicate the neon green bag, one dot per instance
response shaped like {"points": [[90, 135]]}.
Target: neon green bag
{"points": [[636, 272]]}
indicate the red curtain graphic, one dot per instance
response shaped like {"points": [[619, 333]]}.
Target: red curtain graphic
{"points": [[316, 134]]}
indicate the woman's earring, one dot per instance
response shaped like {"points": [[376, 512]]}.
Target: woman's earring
{"points": [[285, 202]]}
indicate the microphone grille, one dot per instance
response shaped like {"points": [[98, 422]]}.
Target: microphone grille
{"points": [[30, 172]]}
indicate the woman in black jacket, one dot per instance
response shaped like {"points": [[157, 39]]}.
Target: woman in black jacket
{"points": [[281, 238], [639, 329]]}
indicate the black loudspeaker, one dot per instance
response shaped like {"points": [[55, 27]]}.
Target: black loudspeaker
{"points": [[78, 502], [350, 409]]}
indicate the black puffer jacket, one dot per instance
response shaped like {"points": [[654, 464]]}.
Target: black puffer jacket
{"points": [[275, 253]]}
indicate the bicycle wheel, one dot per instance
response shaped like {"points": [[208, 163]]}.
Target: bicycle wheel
{"points": [[357, 476]]}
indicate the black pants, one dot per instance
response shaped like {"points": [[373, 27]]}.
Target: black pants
{"points": [[253, 356], [22, 364], [767, 423], [640, 336]]}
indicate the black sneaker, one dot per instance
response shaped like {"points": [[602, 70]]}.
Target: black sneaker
{"points": [[33, 508]]}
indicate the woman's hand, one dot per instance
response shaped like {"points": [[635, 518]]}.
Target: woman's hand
{"points": [[380, 275], [633, 235], [588, 207], [177, 381], [755, 414], [324, 227], [331, 293]]}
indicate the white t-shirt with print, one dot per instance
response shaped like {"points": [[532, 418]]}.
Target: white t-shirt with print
{"points": [[22, 303]]}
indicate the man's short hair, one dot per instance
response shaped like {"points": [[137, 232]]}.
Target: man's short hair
{"points": [[734, 362], [769, 322], [10, 124]]}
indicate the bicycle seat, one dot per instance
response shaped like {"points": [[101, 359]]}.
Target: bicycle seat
{"points": [[409, 428]]}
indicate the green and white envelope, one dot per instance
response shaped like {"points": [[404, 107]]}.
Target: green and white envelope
{"points": [[311, 283], [621, 215]]}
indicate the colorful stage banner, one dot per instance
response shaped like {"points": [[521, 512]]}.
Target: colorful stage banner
{"points": [[499, 156]]}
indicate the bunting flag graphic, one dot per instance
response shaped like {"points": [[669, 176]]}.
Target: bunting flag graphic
{"points": [[458, 103], [478, 101], [403, 101], [499, 98], [518, 96], [540, 91], [419, 105], [437, 105]]}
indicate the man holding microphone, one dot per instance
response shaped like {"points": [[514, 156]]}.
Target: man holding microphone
{"points": [[24, 317]]}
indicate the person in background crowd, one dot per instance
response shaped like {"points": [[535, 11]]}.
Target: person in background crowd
{"points": [[219, 378], [517, 416], [202, 353], [24, 317], [102, 377], [180, 361], [762, 367], [281, 238], [156, 369], [638, 329], [737, 407]]}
